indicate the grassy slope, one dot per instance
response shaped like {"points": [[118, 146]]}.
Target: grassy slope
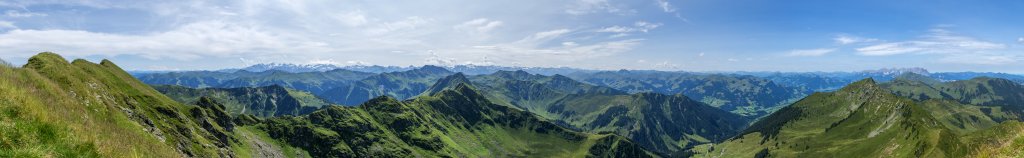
{"points": [[860, 120], [456, 122], [260, 101], [1000, 99], [55, 107], [662, 123]]}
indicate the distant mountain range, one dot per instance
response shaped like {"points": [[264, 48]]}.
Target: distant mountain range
{"points": [[467, 69]]}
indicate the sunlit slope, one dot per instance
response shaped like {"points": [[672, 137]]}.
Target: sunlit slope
{"points": [[454, 122], [662, 123], [56, 108], [859, 120]]}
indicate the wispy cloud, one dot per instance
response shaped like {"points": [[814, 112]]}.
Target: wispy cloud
{"points": [[7, 25], [275, 31], [845, 39], [581, 7], [810, 52], [480, 25], [19, 14], [665, 6], [623, 31], [949, 46], [937, 41], [985, 59], [212, 38]]}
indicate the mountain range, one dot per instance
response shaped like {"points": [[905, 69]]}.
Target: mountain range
{"points": [[56, 108], [912, 116]]}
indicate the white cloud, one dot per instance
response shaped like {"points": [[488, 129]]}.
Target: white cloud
{"points": [[1020, 39], [480, 25], [353, 19], [541, 37], [358, 63], [7, 25], [980, 59], [810, 52], [17, 14], [644, 26], [948, 46], [844, 39], [665, 65], [435, 59], [639, 26], [937, 41], [892, 48], [212, 38], [623, 31], [665, 6], [408, 23], [701, 54], [616, 29], [581, 7], [279, 31], [570, 44]]}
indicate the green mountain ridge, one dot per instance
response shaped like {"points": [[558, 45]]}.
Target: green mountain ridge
{"points": [[662, 123], [455, 122], [79, 109], [56, 108], [264, 101], [865, 119], [977, 91], [859, 120], [745, 95]]}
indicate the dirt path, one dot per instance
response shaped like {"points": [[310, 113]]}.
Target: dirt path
{"points": [[263, 149]]}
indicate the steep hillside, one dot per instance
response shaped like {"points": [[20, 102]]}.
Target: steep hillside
{"points": [[662, 123], [744, 95], [265, 101], [53, 108], [455, 122], [859, 120]]}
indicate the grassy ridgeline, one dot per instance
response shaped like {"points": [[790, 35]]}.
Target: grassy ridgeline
{"points": [[56, 108]]}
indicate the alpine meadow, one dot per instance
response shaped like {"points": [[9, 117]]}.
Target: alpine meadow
{"points": [[490, 79]]}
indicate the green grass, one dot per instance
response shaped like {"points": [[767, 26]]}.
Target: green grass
{"points": [[246, 147], [457, 122], [659, 122], [861, 120], [54, 107]]}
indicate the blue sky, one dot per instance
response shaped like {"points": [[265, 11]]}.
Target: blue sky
{"points": [[691, 35]]}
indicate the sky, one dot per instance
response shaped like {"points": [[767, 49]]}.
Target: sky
{"points": [[688, 35]]}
